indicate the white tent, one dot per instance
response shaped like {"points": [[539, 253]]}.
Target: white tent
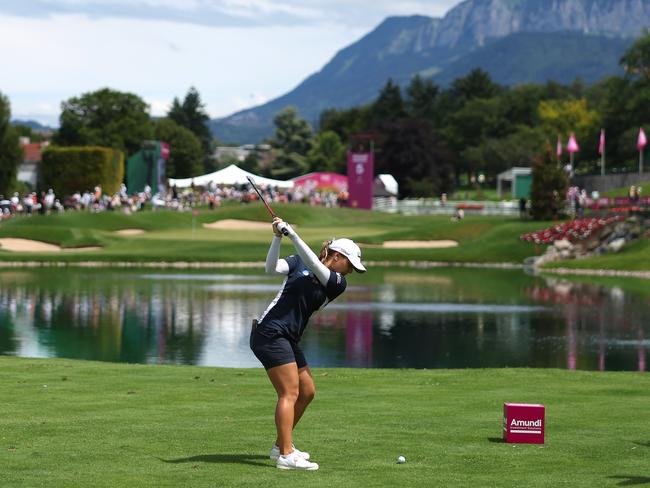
{"points": [[231, 175]]}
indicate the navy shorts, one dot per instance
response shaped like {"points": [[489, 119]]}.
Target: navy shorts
{"points": [[273, 349]]}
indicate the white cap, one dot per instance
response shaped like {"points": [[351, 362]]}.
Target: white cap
{"points": [[350, 250]]}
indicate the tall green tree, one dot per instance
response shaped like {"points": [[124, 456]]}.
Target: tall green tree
{"points": [[549, 187], [636, 60], [476, 84], [10, 152], [185, 153], [389, 104], [414, 154], [293, 140], [191, 114], [345, 122], [422, 99], [106, 118], [328, 153]]}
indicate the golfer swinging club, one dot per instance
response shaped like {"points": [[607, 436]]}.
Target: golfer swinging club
{"points": [[311, 283]]}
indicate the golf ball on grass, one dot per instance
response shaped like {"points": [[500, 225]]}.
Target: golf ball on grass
{"points": [[401, 460]]}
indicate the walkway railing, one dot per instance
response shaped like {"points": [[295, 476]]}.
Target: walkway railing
{"points": [[433, 206]]}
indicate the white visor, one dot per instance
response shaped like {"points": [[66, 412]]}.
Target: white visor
{"points": [[351, 251]]}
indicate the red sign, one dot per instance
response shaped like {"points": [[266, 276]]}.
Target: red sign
{"points": [[361, 174], [523, 423]]}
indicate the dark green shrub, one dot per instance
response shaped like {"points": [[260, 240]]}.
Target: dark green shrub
{"points": [[70, 169]]}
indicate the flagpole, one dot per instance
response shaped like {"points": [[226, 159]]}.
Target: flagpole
{"points": [[641, 161], [640, 145], [602, 156]]}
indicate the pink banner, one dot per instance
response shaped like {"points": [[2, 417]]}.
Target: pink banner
{"points": [[361, 174], [322, 181], [164, 150]]}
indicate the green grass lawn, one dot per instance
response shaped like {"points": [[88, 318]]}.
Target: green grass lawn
{"points": [[181, 237], [174, 236], [74, 423], [625, 191]]}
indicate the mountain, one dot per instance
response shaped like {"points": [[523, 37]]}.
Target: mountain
{"points": [[538, 57], [516, 41], [32, 124]]}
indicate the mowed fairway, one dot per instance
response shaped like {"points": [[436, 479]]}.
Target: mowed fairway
{"points": [[73, 423], [175, 236]]}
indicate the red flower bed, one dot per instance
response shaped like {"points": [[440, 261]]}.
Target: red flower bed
{"points": [[625, 209], [573, 231], [470, 206]]}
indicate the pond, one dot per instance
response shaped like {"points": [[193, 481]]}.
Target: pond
{"points": [[388, 318]]}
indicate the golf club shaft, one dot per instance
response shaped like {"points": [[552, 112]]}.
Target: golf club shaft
{"points": [[268, 207]]}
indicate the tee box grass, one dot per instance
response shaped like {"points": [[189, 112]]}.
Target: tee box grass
{"points": [[74, 423]]}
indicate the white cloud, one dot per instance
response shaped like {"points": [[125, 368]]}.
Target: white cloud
{"points": [[158, 108], [232, 68], [237, 53]]}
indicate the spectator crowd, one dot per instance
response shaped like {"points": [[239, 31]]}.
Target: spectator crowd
{"points": [[48, 202]]}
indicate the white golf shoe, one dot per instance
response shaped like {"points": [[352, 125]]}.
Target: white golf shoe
{"points": [[275, 453], [293, 461]]}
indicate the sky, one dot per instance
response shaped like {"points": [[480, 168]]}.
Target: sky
{"points": [[237, 53]]}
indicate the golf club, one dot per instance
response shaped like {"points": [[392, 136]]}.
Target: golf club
{"points": [[268, 207]]}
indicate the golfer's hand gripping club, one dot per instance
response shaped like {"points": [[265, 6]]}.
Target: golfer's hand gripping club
{"points": [[285, 228]]}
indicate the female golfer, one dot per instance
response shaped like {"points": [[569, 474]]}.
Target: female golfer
{"points": [[311, 283]]}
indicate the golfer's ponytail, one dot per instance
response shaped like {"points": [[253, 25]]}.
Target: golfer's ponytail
{"points": [[324, 251]]}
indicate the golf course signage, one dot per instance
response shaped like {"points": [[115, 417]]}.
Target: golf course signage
{"points": [[523, 423]]}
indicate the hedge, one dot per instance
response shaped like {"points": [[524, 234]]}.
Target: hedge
{"points": [[71, 169]]}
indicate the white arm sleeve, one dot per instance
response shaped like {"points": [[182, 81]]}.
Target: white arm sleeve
{"points": [[274, 265], [310, 259]]}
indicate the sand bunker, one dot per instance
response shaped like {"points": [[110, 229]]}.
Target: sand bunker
{"points": [[129, 232], [233, 224], [440, 244], [27, 245]]}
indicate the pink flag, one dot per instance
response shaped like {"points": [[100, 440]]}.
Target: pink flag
{"points": [[558, 148], [601, 146], [641, 141], [572, 145]]}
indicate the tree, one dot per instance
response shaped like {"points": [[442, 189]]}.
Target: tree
{"points": [[10, 152], [389, 104], [185, 154], [636, 60], [414, 154], [328, 154], [476, 84], [345, 122], [191, 114], [565, 116], [494, 155], [549, 187], [26, 131], [293, 141], [422, 98], [106, 118], [251, 163], [469, 126]]}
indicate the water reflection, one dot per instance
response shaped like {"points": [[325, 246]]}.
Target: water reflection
{"points": [[423, 319]]}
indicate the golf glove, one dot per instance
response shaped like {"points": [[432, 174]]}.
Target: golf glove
{"points": [[285, 229]]}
